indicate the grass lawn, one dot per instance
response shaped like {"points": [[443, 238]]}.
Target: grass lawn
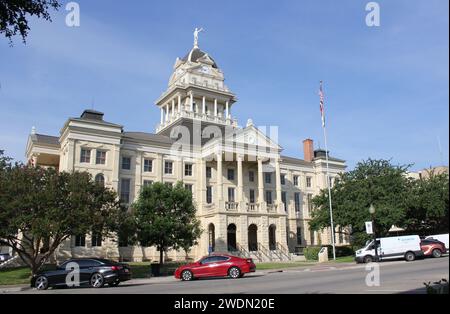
{"points": [[17, 276], [346, 259], [268, 266]]}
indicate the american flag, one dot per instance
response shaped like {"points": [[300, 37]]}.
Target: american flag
{"points": [[322, 103]]}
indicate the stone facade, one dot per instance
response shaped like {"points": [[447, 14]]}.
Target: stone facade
{"points": [[250, 198]]}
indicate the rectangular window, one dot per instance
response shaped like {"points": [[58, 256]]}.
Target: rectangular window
{"points": [[126, 163], [251, 176], [125, 185], [188, 170], [297, 202], [252, 196], [308, 182], [283, 179], [310, 203], [299, 236], [209, 194], [148, 165], [80, 240], [296, 180], [100, 158], [148, 182], [208, 172], [284, 200], [269, 199], [188, 187], [96, 240], [168, 167], [85, 157], [231, 195], [268, 178], [230, 174]]}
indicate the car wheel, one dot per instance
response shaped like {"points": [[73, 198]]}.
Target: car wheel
{"points": [[234, 272], [41, 283], [437, 253], [410, 256], [368, 259], [97, 281], [187, 275]]}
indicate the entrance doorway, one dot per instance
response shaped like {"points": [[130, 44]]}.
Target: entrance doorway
{"points": [[253, 238], [272, 238], [231, 238]]}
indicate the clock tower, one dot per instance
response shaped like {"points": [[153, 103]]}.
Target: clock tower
{"points": [[196, 94]]}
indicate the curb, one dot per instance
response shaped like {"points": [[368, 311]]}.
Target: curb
{"points": [[13, 289]]}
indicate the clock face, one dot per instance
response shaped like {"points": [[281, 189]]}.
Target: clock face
{"points": [[204, 69]]}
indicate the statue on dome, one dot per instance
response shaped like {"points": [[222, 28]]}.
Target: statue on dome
{"points": [[196, 32]]}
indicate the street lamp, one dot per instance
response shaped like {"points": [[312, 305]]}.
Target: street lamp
{"points": [[372, 213]]}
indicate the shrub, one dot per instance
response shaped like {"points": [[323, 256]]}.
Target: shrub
{"points": [[341, 251], [440, 287], [312, 253]]}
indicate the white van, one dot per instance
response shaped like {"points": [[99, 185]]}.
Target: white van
{"points": [[407, 247], [440, 237]]}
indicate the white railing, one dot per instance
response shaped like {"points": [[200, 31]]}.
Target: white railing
{"points": [[195, 115], [252, 207], [272, 208], [231, 206]]}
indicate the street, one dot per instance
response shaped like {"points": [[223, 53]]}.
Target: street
{"points": [[395, 277]]}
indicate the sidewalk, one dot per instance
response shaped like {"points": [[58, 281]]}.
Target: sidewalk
{"points": [[14, 289]]}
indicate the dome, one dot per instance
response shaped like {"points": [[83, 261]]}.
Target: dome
{"points": [[196, 54]]}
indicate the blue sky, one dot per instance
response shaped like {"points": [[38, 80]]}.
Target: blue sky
{"points": [[386, 88]]}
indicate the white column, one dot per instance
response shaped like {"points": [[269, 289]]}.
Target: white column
{"points": [[215, 107], [278, 184], [173, 107], [240, 194], [219, 177], [192, 102], [162, 115], [227, 110], [159, 168], [179, 103], [204, 105], [260, 182], [167, 113]]}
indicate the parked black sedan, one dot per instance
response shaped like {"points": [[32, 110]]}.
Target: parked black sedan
{"points": [[93, 272]]}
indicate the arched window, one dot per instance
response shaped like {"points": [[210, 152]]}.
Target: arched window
{"points": [[100, 179]]}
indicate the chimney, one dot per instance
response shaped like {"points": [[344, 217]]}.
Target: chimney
{"points": [[308, 150]]}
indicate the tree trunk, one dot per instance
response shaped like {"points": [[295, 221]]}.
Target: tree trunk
{"points": [[161, 255]]}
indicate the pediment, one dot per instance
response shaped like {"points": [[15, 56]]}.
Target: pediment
{"points": [[251, 136], [206, 60]]}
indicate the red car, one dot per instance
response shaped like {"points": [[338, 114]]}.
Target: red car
{"points": [[216, 265], [431, 247]]}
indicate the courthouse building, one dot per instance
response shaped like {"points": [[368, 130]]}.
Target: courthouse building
{"points": [[250, 198]]}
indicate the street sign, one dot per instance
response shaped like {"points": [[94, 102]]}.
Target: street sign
{"points": [[369, 227]]}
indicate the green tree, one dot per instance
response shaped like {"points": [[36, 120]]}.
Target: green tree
{"points": [[428, 205], [165, 218], [14, 15], [376, 182], [40, 208]]}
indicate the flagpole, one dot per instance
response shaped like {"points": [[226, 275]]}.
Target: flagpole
{"points": [[328, 170], [329, 194]]}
